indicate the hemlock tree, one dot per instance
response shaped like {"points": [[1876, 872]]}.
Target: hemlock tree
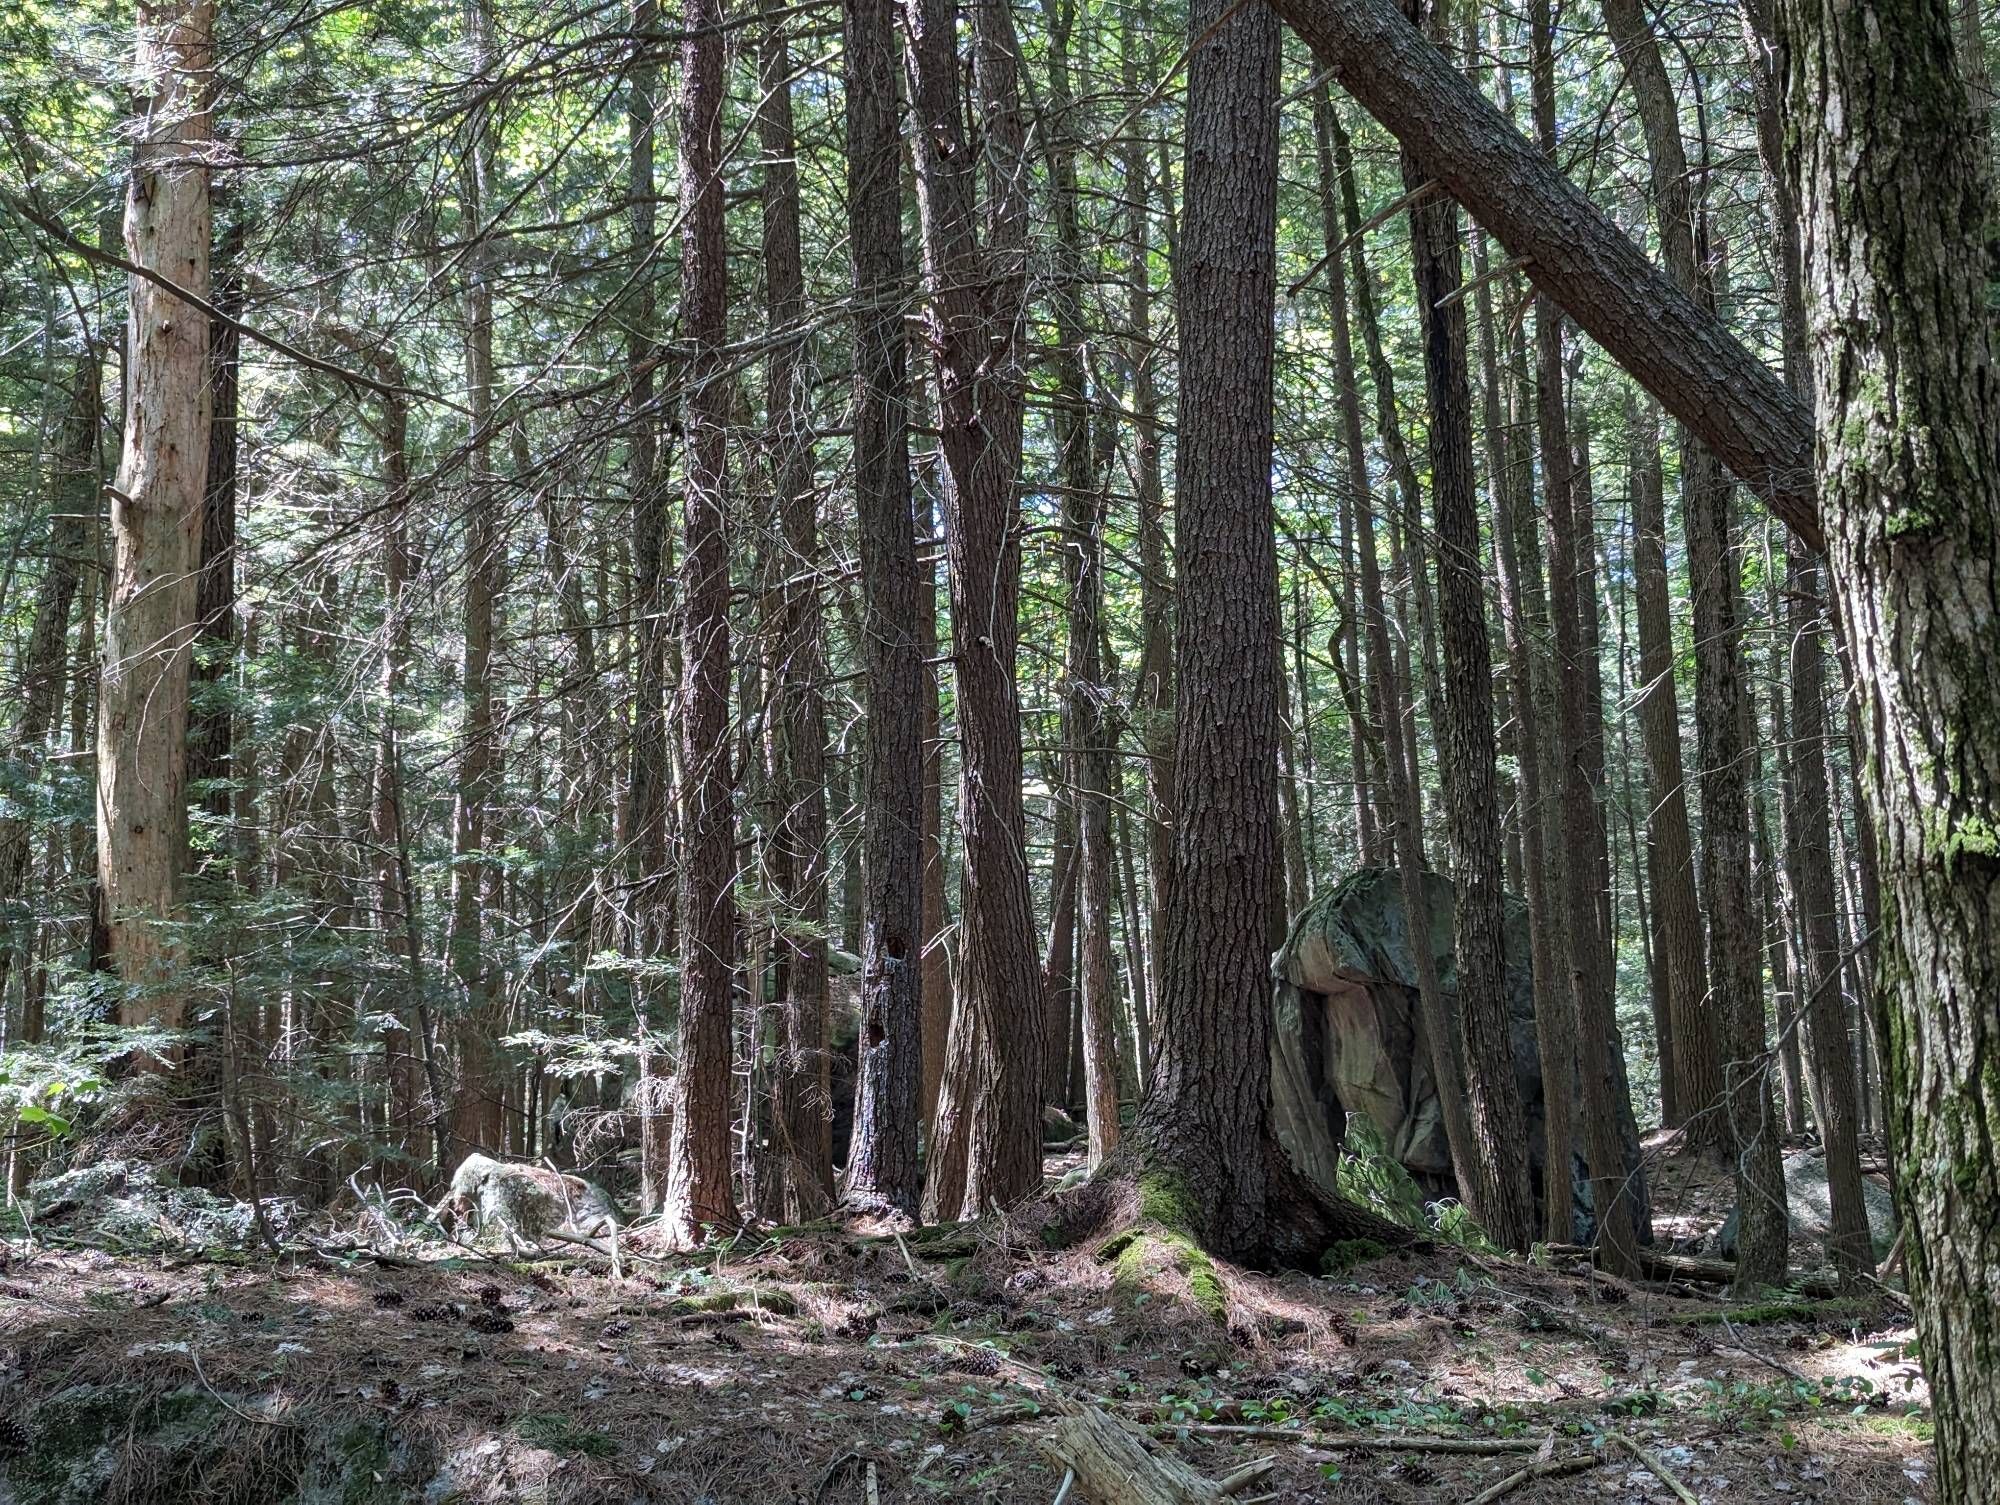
{"points": [[156, 516], [882, 1168], [1894, 193], [698, 1193]]}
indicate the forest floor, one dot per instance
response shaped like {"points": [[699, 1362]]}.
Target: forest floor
{"points": [[825, 1366]]}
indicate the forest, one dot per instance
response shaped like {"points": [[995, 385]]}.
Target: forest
{"points": [[1136, 752]]}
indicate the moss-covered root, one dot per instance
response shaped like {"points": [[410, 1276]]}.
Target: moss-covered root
{"points": [[1157, 1254]]}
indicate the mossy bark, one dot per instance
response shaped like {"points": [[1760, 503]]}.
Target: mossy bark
{"points": [[1896, 200]]}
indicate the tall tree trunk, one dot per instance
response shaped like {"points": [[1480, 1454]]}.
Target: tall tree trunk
{"points": [[156, 517], [802, 1109], [1695, 1056], [1154, 694], [1896, 196], [1809, 866], [478, 1115], [72, 494], [882, 1169], [1498, 1190], [698, 1195], [1613, 1196], [650, 781], [1203, 1132], [986, 1145]]}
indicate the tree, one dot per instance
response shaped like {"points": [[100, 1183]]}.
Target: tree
{"points": [[1614, 1194], [1203, 1134], [986, 1139], [1678, 351], [478, 1119], [1894, 191], [802, 1109], [1497, 1185], [1696, 1067], [156, 515], [698, 1196], [882, 1167]]}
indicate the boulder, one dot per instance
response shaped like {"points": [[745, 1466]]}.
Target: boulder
{"points": [[523, 1202], [1809, 1207], [1347, 1038]]}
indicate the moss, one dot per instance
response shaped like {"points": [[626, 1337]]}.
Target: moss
{"points": [[1163, 1199], [1137, 1255], [1205, 1284], [1951, 841], [1348, 1253], [736, 1299], [559, 1434], [1116, 1245]]}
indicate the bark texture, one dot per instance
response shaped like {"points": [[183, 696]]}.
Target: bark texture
{"points": [[882, 1168], [986, 1140], [698, 1196], [1896, 194], [156, 515], [1206, 1121]]}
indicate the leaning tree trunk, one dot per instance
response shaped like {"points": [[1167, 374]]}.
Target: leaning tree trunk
{"points": [[156, 514], [698, 1195], [1678, 351], [882, 1169], [1895, 196]]}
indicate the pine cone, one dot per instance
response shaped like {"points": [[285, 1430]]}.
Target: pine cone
{"points": [[387, 1297], [484, 1321], [435, 1311], [1412, 1472], [13, 1436], [617, 1328], [983, 1362], [489, 1297]]}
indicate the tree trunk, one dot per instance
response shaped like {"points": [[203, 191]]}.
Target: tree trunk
{"points": [[1613, 1197], [649, 791], [478, 1120], [802, 1109], [1498, 1191], [1895, 195], [698, 1195], [882, 1170], [72, 493], [1809, 865], [1695, 1053], [986, 1145], [156, 519], [1205, 1126], [1089, 698]]}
